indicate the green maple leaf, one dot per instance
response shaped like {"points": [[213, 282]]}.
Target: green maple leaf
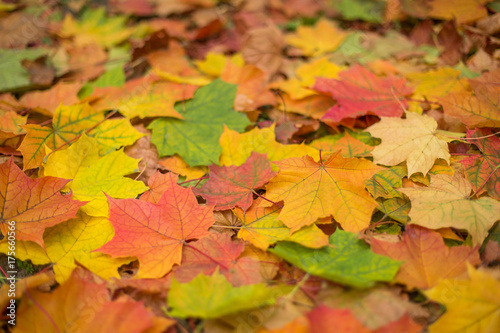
{"points": [[213, 296], [196, 137], [346, 260]]}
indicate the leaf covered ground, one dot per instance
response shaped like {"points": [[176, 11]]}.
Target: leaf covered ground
{"points": [[251, 166]]}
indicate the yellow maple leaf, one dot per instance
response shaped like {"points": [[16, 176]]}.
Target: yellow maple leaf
{"points": [[446, 202], [312, 190], [214, 63], [70, 242], [413, 140], [91, 181], [460, 10], [66, 163], [261, 227], [308, 72], [320, 39], [237, 148], [438, 83], [94, 27], [177, 165], [472, 305], [69, 122], [297, 87]]}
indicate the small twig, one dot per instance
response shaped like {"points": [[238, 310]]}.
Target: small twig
{"points": [[297, 287], [397, 99], [260, 196], [225, 226], [144, 169]]}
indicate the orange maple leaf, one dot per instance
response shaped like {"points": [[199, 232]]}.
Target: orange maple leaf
{"points": [[82, 305], [426, 258], [480, 109], [156, 233], [312, 190], [33, 204]]}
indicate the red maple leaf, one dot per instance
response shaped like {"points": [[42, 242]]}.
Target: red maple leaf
{"points": [[157, 233], [218, 250], [32, 204], [359, 92], [231, 186], [483, 170]]}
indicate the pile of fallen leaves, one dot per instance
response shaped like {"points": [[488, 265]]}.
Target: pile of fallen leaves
{"points": [[251, 166]]}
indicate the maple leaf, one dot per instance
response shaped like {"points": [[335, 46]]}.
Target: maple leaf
{"points": [[33, 204], [312, 190], [427, 260], [84, 306], [233, 186], [156, 233], [483, 170], [480, 293], [307, 73], [384, 183], [214, 63], [196, 137], [252, 92], [144, 97], [324, 319], [92, 177], [94, 27], [218, 251], [348, 145], [347, 260], [177, 165], [480, 109], [313, 106], [359, 92], [438, 83], [446, 203], [462, 11], [70, 242], [217, 297], [10, 124], [75, 240], [237, 148], [324, 37], [173, 65], [262, 228], [47, 101], [70, 121], [374, 308], [413, 140]]}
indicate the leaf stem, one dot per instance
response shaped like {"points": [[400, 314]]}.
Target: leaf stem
{"points": [[260, 196]]}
